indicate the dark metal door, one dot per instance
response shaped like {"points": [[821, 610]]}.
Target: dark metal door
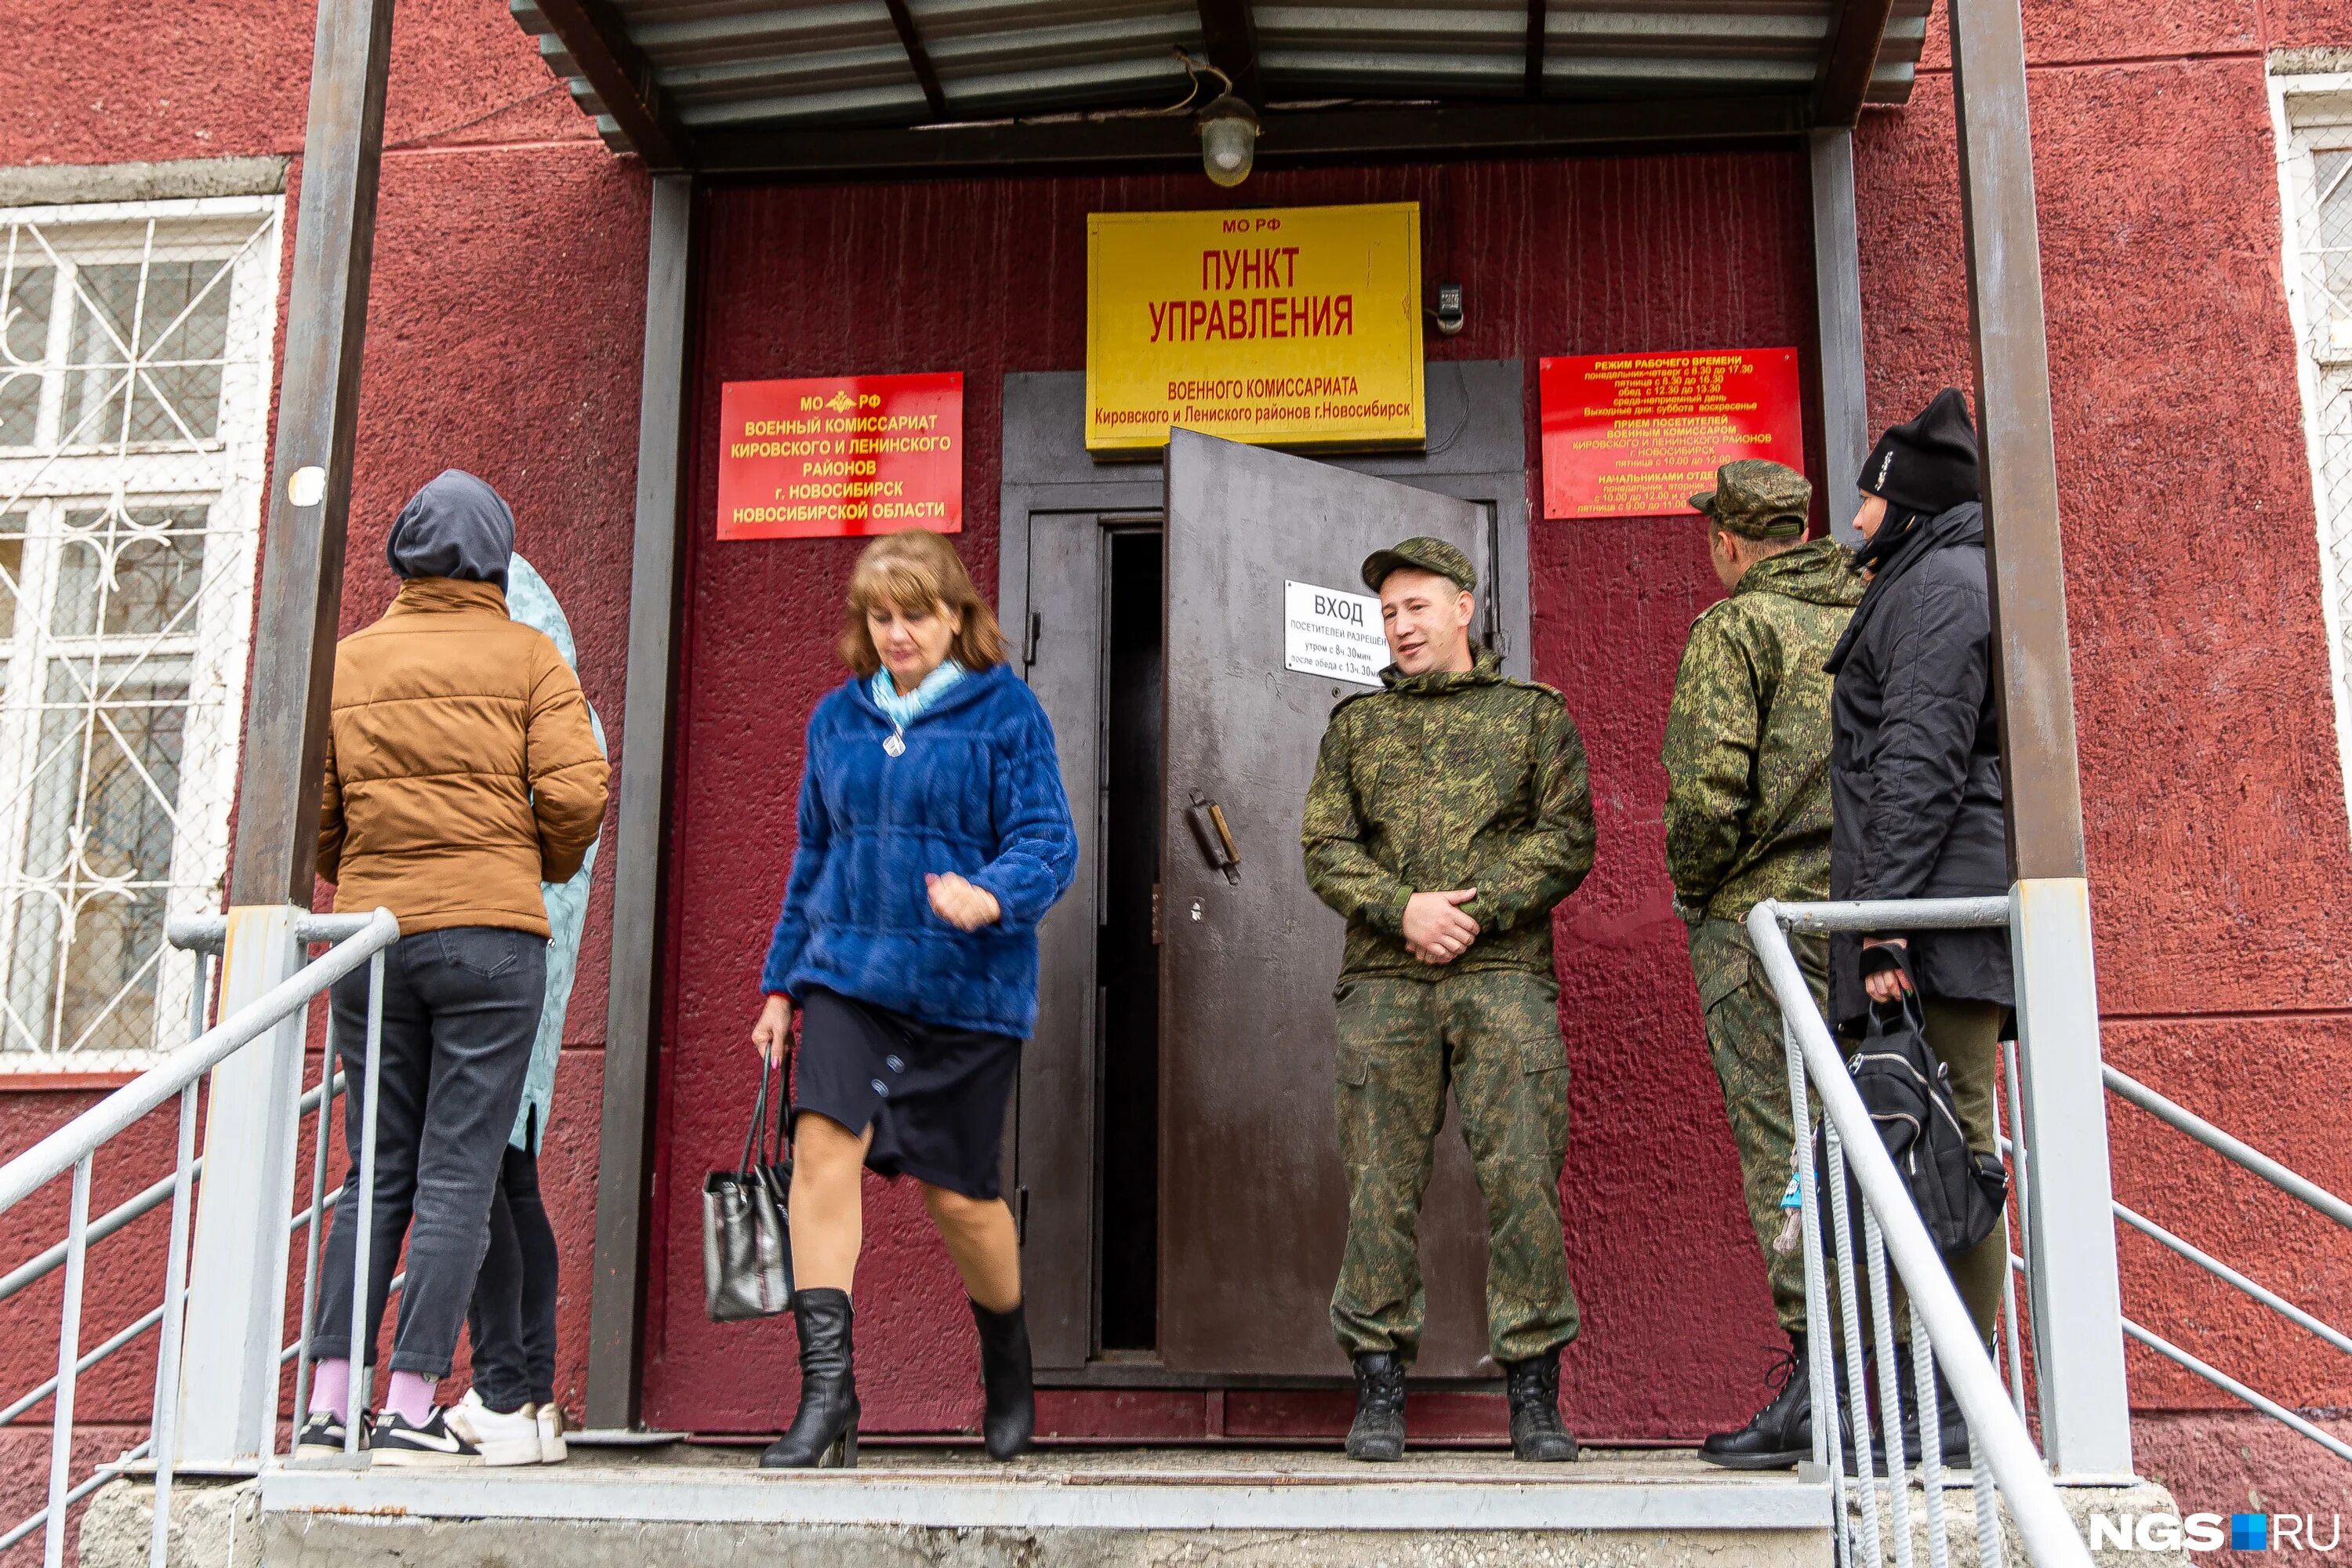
{"points": [[1253, 1198]]}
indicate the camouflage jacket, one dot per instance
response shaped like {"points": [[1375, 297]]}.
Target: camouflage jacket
{"points": [[1747, 738], [1448, 781]]}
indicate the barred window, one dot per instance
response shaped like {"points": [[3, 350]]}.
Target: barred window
{"points": [[134, 384]]}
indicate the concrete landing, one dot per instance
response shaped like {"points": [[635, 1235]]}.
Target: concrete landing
{"points": [[1062, 1508]]}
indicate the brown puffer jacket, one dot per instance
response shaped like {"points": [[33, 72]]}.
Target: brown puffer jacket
{"points": [[461, 769]]}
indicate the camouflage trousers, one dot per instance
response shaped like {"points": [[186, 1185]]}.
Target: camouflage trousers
{"points": [[1751, 1063], [1493, 1035]]}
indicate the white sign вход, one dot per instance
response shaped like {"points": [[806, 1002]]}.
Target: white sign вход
{"points": [[1332, 632]]}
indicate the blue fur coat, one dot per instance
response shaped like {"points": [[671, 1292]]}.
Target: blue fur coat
{"points": [[977, 791]]}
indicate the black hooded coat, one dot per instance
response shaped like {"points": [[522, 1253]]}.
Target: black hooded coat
{"points": [[1915, 760]]}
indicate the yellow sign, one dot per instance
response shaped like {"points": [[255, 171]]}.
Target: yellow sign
{"points": [[1286, 326]]}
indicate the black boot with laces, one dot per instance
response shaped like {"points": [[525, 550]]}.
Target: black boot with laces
{"points": [[1378, 1430], [1779, 1435], [1533, 1387]]}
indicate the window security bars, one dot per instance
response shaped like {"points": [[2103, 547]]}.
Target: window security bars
{"points": [[1848, 1293], [135, 380], [73, 1148]]}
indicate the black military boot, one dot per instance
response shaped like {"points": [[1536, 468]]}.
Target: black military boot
{"points": [[1951, 1426], [823, 1434], [1010, 1420], [1779, 1435], [1379, 1429], [1533, 1387]]}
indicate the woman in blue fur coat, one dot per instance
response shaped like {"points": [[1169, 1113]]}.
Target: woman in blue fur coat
{"points": [[934, 836]]}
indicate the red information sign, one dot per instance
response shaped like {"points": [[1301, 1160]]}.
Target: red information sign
{"points": [[840, 455], [1638, 435]]}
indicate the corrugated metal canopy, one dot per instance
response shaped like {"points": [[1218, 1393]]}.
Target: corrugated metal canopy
{"points": [[803, 65]]}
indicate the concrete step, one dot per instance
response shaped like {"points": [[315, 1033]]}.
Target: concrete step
{"points": [[1061, 1508]]}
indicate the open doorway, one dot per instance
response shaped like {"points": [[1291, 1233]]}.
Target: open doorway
{"points": [[1181, 1202], [1127, 1141]]}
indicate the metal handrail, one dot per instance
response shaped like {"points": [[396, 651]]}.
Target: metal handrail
{"points": [[2000, 1441], [2235, 1149], [209, 933], [2228, 1385], [41, 1265], [73, 1148], [124, 1462], [58, 1152], [300, 1220], [2295, 1185], [2229, 1276], [1892, 916]]}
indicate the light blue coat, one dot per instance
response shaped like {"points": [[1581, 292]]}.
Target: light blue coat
{"points": [[530, 601]]}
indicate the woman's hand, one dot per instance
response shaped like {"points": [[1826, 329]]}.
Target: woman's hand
{"points": [[774, 1032], [960, 904], [1888, 984]]}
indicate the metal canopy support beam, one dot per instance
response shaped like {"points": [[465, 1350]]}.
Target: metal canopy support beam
{"points": [[1465, 129], [1837, 295], [2076, 1305], [1536, 9], [1230, 29], [594, 35], [1843, 80], [616, 1298], [229, 1400], [310, 483], [917, 57]]}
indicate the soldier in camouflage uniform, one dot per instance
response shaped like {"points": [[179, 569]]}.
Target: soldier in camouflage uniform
{"points": [[1747, 818], [1449, 813]]}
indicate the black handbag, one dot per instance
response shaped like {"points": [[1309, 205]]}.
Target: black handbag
{"points": [[746, 1243], [1960, 1192]]}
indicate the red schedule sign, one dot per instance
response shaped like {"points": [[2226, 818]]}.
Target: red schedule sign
{"points": [[1639, 434], [840, 455]]}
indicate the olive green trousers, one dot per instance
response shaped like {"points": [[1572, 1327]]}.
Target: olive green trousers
{"points": [[1494, 1036]]}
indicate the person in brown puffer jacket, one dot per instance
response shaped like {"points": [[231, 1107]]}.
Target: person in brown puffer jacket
{"points": [[461, 773]]}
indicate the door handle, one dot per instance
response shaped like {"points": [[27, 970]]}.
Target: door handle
{"points": [[1214, 837]]}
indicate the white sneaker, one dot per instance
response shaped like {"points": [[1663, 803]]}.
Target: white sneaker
{"points": [[551, 1447], [507, 1438]]}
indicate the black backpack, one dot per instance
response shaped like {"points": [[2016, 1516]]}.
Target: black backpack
{"points": [[1958, 1190]]}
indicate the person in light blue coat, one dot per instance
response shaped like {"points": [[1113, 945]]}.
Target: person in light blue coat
{"points": [[511, 1413]]}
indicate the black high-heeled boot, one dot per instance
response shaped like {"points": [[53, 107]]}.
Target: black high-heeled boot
{"points": [[1011, 1417], [823, 1434]]}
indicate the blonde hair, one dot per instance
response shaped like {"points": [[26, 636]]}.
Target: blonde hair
{"points": [[913, 571]]}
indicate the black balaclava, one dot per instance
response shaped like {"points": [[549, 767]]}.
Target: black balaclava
{"points": [[457, 526], [1923, 467]]}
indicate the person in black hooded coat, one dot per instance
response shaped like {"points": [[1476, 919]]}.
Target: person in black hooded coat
{"points": [[1914, 778]]}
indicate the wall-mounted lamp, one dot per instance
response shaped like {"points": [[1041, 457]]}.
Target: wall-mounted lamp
{"points": [[1228, 129]]}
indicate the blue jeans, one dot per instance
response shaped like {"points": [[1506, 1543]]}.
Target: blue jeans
{"points": [[512, 1321], [460, 1010]]}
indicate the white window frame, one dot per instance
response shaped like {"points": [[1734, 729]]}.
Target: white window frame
{"points": [[226, 474], [2310, 112]]}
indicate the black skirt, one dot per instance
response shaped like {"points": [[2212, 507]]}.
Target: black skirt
{"points": [[934, 1096]]}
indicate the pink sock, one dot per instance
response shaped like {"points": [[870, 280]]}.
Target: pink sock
{"points": [[331, 1387], [411, 1393]]}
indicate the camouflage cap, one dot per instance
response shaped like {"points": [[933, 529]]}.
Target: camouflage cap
{"points": [[1422, 553], [1758, 500]]}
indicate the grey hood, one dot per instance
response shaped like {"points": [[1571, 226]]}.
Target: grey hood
{"points": [[457, 526]]}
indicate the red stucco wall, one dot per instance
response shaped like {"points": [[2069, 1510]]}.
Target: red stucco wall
{"points": [[1554, 257], [2213, 802], [503, 337]]}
